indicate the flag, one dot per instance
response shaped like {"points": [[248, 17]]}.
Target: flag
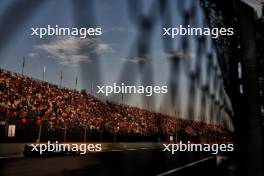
{"points": [[91, 88], [23, 65], [44, 70], [76, 82], [61, 76], [24, 120]]}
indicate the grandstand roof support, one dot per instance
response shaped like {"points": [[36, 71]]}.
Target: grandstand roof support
{"points": [[241, 48], [250, 135]]}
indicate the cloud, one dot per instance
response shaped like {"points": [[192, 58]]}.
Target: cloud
{"points": [[135, 60], [182, 54], [117, 29], [103, 48], [73, 50], [32, 55]]}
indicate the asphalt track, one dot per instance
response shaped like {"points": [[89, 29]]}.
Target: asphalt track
{"points": [[134, 162]]}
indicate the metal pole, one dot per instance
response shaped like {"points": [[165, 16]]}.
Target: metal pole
{"points": [[101, 136], [85, 134], [39, 134], [176, 134], [65, 133]]}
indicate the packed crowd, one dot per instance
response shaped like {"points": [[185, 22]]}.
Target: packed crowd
{"points": [[26, 99]]}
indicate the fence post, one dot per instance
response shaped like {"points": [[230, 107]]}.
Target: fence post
{"points": [[85, 134]]}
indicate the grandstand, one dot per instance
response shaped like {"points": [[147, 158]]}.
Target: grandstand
{"points": [[44, 111]]}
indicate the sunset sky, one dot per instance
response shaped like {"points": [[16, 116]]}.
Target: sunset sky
{"points": [[106, 59]]}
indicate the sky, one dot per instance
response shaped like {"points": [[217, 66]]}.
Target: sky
{"points": [[113, 57]]}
